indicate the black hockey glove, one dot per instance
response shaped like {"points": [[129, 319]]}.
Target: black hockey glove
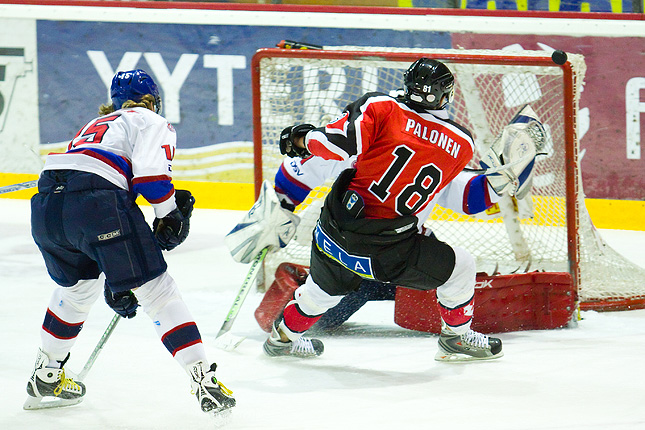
{"points": [[289, 136], [173, 229], [185, 202], [124, 303]]}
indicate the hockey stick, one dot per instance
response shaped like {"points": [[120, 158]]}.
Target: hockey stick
{"points": [[33, 403], [17, 187], [99, 346], [224, 339]]}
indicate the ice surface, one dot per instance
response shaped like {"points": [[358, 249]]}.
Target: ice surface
{"points": [[374, 375]]}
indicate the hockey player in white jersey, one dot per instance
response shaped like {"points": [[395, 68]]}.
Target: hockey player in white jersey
{"points": [[94, 239]]}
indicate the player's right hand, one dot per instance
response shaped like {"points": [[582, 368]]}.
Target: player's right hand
{"points": [[288, 139]]}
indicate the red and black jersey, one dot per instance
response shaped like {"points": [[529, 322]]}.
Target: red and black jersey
{"points": [[403, 157]]}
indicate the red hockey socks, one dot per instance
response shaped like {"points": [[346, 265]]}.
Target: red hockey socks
{"points": [[458, 318], [296, 321]]}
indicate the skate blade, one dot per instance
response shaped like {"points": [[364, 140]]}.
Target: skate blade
{"points": [[34, 403], [228, 341], [460, 358], [221, 417]]}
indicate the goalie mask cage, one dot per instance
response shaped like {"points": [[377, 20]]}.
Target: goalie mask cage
{"points": [[549, 230]]}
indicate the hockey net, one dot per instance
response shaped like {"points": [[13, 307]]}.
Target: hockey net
{"points": [[549, 230]]}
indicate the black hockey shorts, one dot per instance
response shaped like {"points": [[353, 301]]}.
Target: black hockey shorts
{"points": [[422, 263], [85, 225], [346, 250]]}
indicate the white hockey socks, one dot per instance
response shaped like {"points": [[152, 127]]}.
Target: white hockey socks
{"points": [[173, 321], [68, 308]]}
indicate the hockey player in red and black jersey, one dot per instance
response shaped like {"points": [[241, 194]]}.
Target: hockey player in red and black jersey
{"points": [[86, 224], [405, 154], [467, 194]]}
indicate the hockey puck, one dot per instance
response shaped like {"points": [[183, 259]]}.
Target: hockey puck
{"points": [[559, 57]]}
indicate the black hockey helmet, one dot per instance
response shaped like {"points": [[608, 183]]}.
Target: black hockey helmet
{"points": [[429, 84]]}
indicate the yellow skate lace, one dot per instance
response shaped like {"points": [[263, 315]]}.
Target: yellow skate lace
{"points": [[66, 384], [224, 389]]}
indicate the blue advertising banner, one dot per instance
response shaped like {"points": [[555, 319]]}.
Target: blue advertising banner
{"points": [[203, 71], [205, 79]]}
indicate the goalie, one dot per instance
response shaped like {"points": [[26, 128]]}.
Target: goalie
{"points": [[508, 160]]}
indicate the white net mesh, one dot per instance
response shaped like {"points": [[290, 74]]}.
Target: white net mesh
{"points": [[491, 87]]}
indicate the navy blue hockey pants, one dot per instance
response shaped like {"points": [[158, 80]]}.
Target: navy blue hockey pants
{"points": [[85, 225]]}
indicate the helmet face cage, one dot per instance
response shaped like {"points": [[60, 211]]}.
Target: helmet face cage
{"points": [[429, 84], [133, 85]]}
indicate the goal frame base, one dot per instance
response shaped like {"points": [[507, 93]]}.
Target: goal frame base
{"points": [[503, 303]]}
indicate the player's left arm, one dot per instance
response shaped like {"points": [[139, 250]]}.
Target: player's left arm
{"points": [[296, 177], [153, 151], [468, 194], [152, 178]]}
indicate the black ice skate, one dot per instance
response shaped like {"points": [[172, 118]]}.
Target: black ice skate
{"points": [[302, 347], [467, 347], [212, 395], [50, 387]]}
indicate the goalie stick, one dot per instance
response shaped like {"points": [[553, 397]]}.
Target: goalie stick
{"points": [[224, 339], [503, 167], [17, 187], [33, 403]]}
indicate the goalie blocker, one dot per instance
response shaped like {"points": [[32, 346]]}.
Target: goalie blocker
{"points": [[527, 301], [267, 224]]}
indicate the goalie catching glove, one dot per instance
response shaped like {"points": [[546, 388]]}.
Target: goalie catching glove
{"points": [[510, 159], [288, 138], [173, 229], [267, 224]]}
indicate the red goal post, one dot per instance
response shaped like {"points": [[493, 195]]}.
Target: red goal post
{"points": [[549, 230]]}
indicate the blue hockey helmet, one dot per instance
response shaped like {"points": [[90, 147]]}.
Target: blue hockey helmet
{"points": [[133, 85], [429, 84]]}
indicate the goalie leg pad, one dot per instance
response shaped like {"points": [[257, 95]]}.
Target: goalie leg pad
{"points": [[288, 277], [526, 301], [267, 224]]}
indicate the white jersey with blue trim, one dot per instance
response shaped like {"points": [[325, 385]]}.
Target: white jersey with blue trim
{"points": [[133, 148]]}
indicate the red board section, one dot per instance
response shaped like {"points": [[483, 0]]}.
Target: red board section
{"points": [[528, 301]]}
